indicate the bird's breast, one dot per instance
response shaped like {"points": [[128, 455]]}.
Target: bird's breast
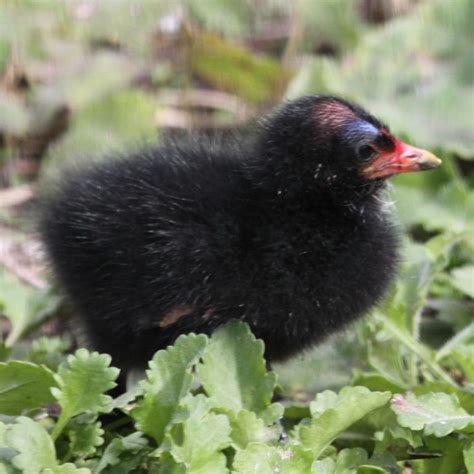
{"points": [[315, 275]]}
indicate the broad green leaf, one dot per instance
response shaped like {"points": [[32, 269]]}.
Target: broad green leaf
{"points": [[199, 440], [335, 413], [376, 382], [272, 413], [450, 460], [235, 69], [323, 402], [106, 73], [468, 453], [66, 469], [349, 459], [260, 458], [24, 386], [6, 453], [233, 371], [85, 435], [457, 342], [115, 122], [325, 466], [49, 351], [297, 410], [168, 464], [381, 462], [333, 23], [229, 17], [82, 384], [453, 312], [246, 428], [372, 469], [34, 446], [414, 346], [336, 358], [169, 380], [416, 206], [464, 356], [396, 434], [20, 304], [112, 454], [463, 279], [437, 414], [384, 356], [465, 396]]}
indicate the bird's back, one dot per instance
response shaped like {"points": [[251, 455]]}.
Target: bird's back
{"points": [[133, 238]]}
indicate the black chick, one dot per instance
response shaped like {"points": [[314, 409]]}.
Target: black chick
{"points": [[288, 233]]}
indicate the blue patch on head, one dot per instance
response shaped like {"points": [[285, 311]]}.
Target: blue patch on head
{"points": [[360, 128]]}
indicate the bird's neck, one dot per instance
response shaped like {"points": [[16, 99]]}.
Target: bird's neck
{"points": [[287, 193]]}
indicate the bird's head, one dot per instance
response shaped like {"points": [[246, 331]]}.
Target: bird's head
{"points": [[327, 142]]}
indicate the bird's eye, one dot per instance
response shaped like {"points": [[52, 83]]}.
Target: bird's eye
{"points": [[366, 152]]}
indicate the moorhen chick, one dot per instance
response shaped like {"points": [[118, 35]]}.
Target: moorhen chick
{"points": [[287, 231]]}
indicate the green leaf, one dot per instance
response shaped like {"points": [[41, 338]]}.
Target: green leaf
{"points": [[233, 371], [384, 355], [333, 414], [456, 343], [464, 356], [34, 446], [133, 443], [84, 435], [106, 72], [246, 428], [336, 358], [414, 346], [468, 453], [449, 461], [49, 351], [169, 380], [20, 304], [24, 386], [349, 459], [325, 466], [437, 414], [272, 413], [376, 382], [229, 17], [199, 440], [233, 68], [66, 469], [81, 385], [115, 122], [259, 458], [333, 23], [463, 279], [465, 396]]}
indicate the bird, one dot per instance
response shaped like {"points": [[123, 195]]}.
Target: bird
{"points": [[286, 229]]}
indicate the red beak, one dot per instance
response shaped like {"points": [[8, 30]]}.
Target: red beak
{"points": [[404, 159]]}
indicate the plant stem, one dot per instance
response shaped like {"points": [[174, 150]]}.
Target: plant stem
{"points": [[458, 338], [407, 340]]}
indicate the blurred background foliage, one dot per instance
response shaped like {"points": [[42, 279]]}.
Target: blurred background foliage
{"points": [[83, 78]]}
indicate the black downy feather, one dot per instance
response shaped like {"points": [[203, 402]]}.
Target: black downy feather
{"points": [[281, 232]]}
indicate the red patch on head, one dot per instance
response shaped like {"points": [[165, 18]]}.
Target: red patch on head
{"points": [[333, 113]]}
